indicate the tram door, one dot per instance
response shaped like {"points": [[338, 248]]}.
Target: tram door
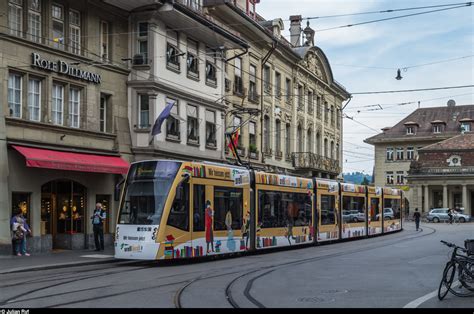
{"points": [[374, 222], [328, 204]]}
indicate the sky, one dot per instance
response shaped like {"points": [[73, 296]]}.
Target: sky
{"points": [[366, 58]]}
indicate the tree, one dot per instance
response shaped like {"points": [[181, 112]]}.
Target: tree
{"points": [[365, 181]]}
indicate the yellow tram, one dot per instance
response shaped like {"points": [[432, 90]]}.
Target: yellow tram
{"points": [[172, 210]]}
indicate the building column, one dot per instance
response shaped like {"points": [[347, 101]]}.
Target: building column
{"points": [[464, 196], [426, 207], [445, 195], [419, 198]]}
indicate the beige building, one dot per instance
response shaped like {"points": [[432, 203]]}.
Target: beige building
{"points": [[443, 175], [399, 145], [283, 93], [176, 57], [64, 135]]}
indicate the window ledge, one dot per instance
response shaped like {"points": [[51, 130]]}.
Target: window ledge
{"points": [[211, 83], [173, 138], [193, 76], [211, 147], [173, 67], [142, 67], [194, 143]]}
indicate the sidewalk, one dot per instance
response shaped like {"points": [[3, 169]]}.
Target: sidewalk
{"points": [[56, 259]]}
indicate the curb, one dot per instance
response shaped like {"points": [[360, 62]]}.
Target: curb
{"points": [[59, 265]]}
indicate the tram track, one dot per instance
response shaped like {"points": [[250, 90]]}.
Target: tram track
{"points": [[228, 289]]}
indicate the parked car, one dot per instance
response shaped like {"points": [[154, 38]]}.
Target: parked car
{"points": [[387, 214], [441, 214], [353, 215]]}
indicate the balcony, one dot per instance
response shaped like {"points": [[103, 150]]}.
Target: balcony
{"points": [[311, 161], [195, 5], [254, 154], [416, 168], [254, 97]]}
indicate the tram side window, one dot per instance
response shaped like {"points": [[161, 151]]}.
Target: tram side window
{"points": [[227, 200], [304, 213], [199, 207], [374, 208], [353, 208], [271, 213], [279, 209], [394, 204], [179, 213], [328, 210]]}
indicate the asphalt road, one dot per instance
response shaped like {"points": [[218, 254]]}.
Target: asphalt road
{"points": [[393, 271]]}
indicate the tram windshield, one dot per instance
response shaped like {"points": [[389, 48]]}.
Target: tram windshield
{"points": [[146, 191]]}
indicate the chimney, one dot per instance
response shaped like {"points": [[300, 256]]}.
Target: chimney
{"points": [[295, 30]]}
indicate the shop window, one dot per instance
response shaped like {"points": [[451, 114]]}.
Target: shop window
{"points": [[46, 209], [21, 201], [105, 201], [227, 200]]}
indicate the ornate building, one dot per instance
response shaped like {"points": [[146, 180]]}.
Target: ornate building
{"points": [[63, 121], [401, 144], [443, 175], [298, 126]]}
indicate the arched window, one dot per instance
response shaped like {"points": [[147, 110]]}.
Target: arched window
{"points": [[332, 150], [337, 152], [300, 139], [326, 147], [266, 132], [309, 140], [278, 136], [318, 144]]}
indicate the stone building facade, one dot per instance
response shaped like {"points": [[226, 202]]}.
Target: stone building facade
{"points": [[399, 145], [176, 56], [63, 119], [443, 175], [296, 122]]}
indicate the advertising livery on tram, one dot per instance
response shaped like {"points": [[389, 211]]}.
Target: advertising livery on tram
{"points": [[173, 210]]}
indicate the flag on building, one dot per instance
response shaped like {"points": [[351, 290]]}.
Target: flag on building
{"points": [[234, 139], [162, 117]]}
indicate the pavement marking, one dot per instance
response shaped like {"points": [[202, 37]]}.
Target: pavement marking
{"points": [[97, 256], [415, 303]]}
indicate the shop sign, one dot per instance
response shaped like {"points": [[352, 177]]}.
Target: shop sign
{"points": [[63, 67]]}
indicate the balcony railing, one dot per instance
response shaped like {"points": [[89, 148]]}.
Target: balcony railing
{"points": [[311, 161], [195, 5], [416, 170]]}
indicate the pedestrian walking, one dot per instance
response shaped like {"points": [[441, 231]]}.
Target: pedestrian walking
{"points": [[417, 217], [98, 226], [20, 229], [450, 214]]}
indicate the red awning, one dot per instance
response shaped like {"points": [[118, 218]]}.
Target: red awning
{"points": [[52, 159]]}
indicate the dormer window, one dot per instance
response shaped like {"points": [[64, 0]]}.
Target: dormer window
{"points": [[437, 126], [411, 127], [466, 127]]}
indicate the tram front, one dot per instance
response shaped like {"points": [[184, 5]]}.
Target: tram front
{"points": [[144, 197]]}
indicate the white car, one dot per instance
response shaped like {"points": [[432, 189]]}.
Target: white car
{"points": [[387, 214]]}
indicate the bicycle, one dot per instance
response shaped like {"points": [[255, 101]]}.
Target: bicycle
{"points": [[464, 265]]}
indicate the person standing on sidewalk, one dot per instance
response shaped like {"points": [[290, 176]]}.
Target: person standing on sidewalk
{"points": [[417, 217], [19, 229], [98, 226]]}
